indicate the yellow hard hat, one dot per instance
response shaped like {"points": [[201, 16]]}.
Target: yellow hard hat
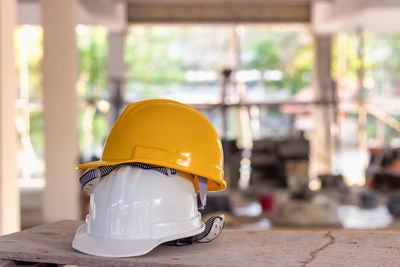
{"points": [[169, 134]]}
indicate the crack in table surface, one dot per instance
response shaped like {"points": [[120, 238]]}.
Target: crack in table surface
{"points": [[314, 253]]}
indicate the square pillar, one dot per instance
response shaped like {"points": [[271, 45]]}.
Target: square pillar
{"points": [[61, 196], [9, 193], [115, 73], [322, 141]]}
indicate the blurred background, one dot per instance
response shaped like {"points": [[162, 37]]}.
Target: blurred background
{"points": [[304, 95]]}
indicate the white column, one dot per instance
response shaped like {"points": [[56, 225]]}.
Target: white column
{"points": [[322, 143], [117, 28], [61, 197], [115, 73], [9, 194]]}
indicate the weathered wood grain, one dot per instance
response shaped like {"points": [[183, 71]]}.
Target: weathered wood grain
{"points": [[51, 243], [7, 263]]}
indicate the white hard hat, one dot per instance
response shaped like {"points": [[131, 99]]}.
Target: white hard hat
{"points": [[133, 210]]}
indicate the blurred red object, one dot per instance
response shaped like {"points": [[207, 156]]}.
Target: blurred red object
{"points": [[267, 202]]}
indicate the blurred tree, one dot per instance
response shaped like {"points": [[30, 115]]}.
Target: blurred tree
{"points": [[381, 60], [92, 87], [382, 71], [28, 56], [384, 62], [287, 51], [92, 51], [150, 60]]}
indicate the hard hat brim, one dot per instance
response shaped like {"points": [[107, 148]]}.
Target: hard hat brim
{"points": [[95, 164], [98, 246]]}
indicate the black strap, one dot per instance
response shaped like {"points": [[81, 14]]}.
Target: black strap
{"points": [[213, 227]]}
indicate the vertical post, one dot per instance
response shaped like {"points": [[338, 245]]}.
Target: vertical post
{"points": [[362, 113], [9, 194], [321, 143], [61, 196], [116, 73], [226, 82]]}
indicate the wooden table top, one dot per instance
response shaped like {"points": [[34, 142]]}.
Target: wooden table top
{"points": [[51, 243]]}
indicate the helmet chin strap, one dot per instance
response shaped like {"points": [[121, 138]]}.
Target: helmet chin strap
{"points": [[213, 227], [202, 195]]}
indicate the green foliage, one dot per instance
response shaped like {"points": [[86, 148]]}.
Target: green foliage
{"points": [[100, 128], [92, 48], [148, 58], [92, 51], [264, 55], [28, 58], [158, 56], [381, 59], [286, 51], [29, 47], [384, 62], [37, 132], [344, 55]]}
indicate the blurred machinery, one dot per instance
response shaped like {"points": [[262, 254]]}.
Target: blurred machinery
{"points": [[271, 160], [383, 175], [274, 160]]}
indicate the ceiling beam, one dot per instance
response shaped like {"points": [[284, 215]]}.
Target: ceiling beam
{"points": [[176, 11]]}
